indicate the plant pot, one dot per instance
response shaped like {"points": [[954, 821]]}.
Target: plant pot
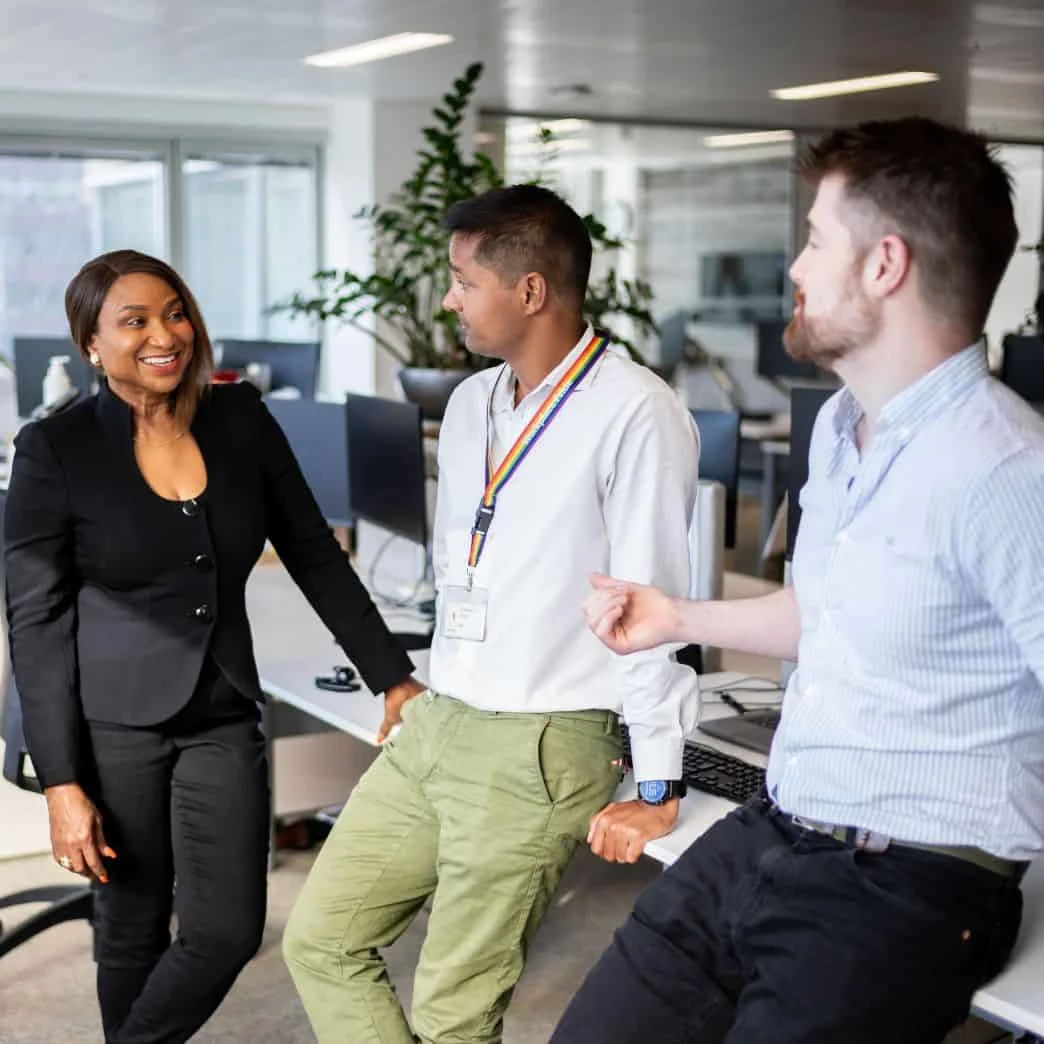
{"points": [[430, 389]]}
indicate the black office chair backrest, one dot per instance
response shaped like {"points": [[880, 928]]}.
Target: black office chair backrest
{"points": [[1022, 366], [720, 458]]}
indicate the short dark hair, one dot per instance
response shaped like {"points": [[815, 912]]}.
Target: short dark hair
{"points": [[86, 293], [528, 228], [943, 190]]}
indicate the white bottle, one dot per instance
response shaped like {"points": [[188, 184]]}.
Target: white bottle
{"points": [[56, 381]]}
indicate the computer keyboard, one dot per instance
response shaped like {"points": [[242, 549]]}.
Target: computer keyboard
{"points": [[709, 770], [704, 768]]}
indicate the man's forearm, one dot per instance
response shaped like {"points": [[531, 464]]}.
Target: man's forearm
{"points": [[769, 625]]}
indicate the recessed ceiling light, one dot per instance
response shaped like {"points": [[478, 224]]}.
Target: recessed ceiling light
{"points": [[732, 141], [375, 50], [832, 88]]}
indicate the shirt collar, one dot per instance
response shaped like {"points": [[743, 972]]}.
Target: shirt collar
{"points": [[937, 390], [504, 392]]}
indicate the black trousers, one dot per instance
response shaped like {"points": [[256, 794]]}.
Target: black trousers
{"points": [[767, 933], [185, 805]]}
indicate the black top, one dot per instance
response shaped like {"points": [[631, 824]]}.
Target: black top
{"points": [[115, 595]]}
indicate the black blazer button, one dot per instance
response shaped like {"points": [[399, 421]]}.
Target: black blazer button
{"points": [[201, 613], [190, 508], [203, 562]]}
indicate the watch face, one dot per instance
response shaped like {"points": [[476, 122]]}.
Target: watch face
{"points": [[652, 790]]}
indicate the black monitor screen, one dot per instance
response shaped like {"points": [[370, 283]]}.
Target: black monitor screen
{"points": [[805, 404], [774, 361], [386, 465], [318, 435], [720, 458], [31, 356], [293, 364]]}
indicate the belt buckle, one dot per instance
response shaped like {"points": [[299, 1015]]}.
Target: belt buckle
{"points": [[870, 841]]}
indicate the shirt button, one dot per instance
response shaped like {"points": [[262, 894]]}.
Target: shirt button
{"points": [[201, 613], [190, 508], [203, 562]]}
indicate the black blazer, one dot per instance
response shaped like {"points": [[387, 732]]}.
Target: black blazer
{"points": [[115, 595]]}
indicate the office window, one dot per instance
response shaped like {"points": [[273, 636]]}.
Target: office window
{"points": [[59, 209], [706, 217], [250, 240]]}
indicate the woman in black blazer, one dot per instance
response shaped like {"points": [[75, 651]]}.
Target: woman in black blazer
{"points": [[133, 520]]}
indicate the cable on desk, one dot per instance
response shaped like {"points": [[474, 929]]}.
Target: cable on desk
{"points": [[742, 685], [410, 601]]}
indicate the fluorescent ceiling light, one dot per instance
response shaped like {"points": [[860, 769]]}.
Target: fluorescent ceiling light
{"points": [[832, 88], [375, 50], [732, 141]]}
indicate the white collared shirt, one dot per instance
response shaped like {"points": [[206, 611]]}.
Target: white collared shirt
{"points": [[609, 487]]}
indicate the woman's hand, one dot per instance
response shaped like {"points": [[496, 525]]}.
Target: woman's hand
{"points": [[395, 698], [77, 840]]}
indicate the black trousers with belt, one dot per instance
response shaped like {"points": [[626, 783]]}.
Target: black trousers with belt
{"points": [[767, 933], [185, 805]]}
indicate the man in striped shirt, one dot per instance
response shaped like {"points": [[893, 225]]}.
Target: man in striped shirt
{"points": [[875, 886]]}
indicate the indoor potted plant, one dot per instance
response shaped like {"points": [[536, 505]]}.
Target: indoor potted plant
{"points": [[410, 274]]}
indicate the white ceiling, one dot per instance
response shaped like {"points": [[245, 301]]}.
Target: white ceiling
{"points": [[687, 60]]}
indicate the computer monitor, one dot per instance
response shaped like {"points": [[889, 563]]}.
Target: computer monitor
{"points": [[31, 356], [293, 364], [386, 479], [1022, 366], [318, 435], [775, 362], [805, 404], [720, 458]]}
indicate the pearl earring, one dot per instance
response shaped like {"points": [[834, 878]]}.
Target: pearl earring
{"points": [[95, 359]]}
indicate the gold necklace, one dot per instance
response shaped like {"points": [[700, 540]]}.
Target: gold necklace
{"points": [[159, 445]]}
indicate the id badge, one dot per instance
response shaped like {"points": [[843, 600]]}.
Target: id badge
{"points": [[464, 613]]}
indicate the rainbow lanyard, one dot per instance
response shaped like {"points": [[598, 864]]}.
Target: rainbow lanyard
{"points": [[525, 442]]}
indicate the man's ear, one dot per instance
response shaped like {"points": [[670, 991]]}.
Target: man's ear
{"points": [[887, 266], [533, 293]]}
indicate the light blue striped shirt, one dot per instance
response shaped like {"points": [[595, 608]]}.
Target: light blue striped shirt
{"points": [[917, 709]]}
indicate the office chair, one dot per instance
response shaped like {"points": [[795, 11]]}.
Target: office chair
{"points": [[71, 902]]}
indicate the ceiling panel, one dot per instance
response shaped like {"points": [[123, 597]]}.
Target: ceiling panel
{"points": [[689, 60]]}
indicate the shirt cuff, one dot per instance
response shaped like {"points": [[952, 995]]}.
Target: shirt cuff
{"points": [[655, 758]]}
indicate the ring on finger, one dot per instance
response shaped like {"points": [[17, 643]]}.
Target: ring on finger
{"points": [[65, 862]]}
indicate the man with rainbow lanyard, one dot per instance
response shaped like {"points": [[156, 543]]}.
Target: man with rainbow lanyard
{"points": [[567, 459]]}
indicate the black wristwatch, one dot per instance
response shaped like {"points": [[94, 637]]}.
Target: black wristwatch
{"points": [[659, 791]]}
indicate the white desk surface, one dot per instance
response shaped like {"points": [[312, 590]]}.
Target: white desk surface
{"points": [[289, 657], [358, 713]]}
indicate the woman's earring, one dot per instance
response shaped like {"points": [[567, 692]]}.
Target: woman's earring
{"points": [[95, 359]]}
